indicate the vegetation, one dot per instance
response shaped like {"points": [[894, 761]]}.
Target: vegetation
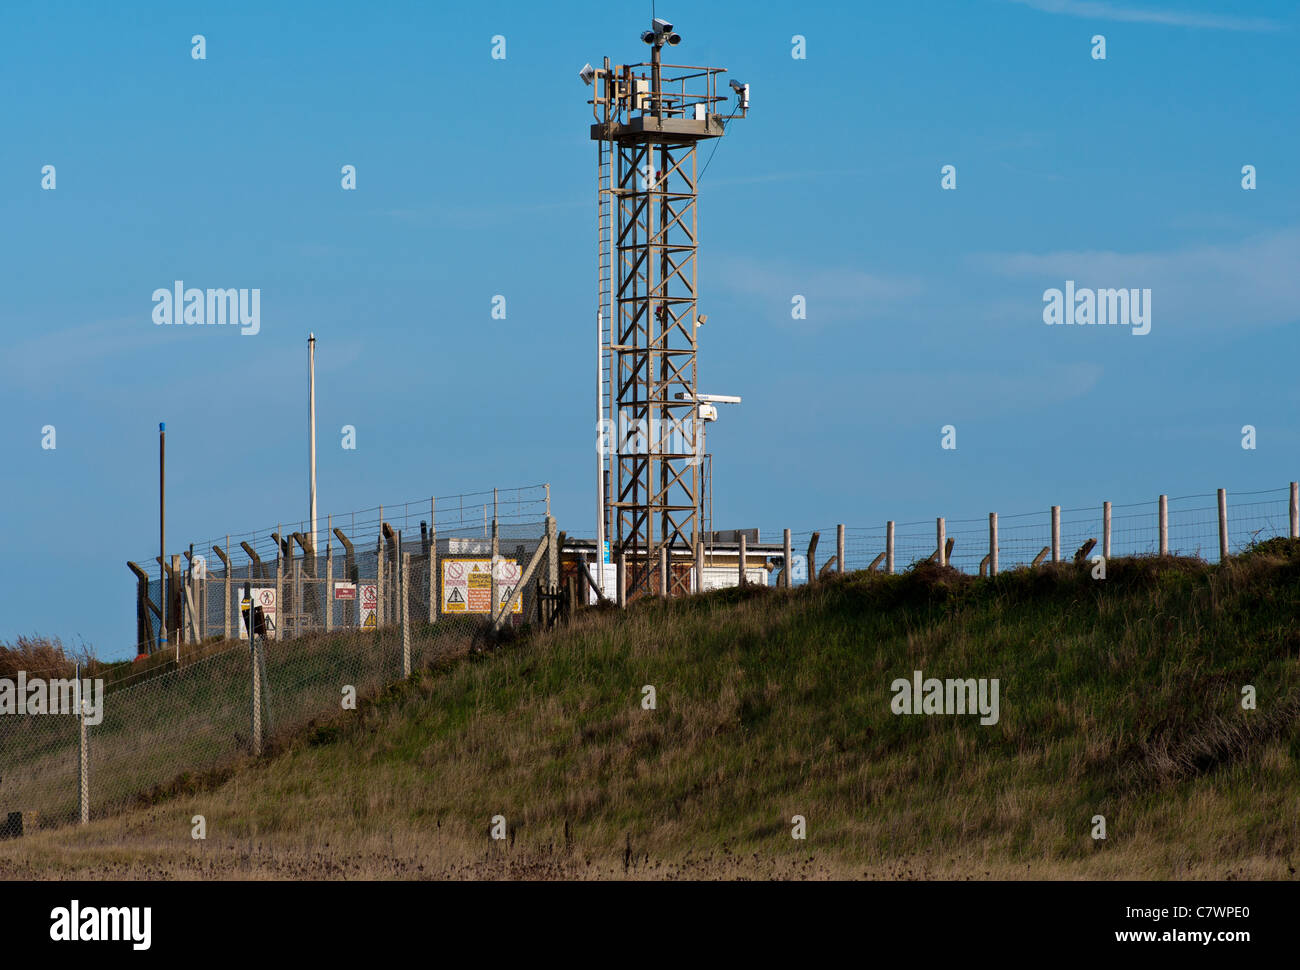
{"points": [[1120, 697]]}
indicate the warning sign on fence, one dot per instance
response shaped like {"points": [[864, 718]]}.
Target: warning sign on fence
{"points": [[345, 591], [369, 618], [265, 598], [467, 585]]}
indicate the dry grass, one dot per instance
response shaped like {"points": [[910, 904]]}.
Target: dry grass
{"points": [[1118, 698]]}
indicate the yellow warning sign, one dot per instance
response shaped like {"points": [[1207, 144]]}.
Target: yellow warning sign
{"points": [[467, 585]]}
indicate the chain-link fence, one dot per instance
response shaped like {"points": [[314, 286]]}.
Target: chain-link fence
{"points": [[342, 624]]}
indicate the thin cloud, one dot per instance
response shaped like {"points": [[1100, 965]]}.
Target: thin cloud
{"points": [[1239, 285], [1103, 10]]}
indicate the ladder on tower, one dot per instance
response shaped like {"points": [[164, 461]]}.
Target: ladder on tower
{"points": [[605, 205]]}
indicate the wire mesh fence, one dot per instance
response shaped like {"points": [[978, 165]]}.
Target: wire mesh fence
{"points": [[298, 574], [1191, 529], [214, 697]]}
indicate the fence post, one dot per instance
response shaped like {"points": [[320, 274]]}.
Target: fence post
{"points": [[942, 540], [889, 547], [406, 616], [1295, 510], [1056, 533], [329, 573], [993, 543], [496, 551], [1223, 525], [699, 565], [1164, 525], [553, 551], [622, 579], [83, 755], [180, 585], [433, 560], [1105, 531], [379, 573], [280, 611], [740, 560], [256, 726], [786, 580], [663, 571], [225, 612]]}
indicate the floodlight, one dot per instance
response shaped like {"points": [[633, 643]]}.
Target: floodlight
{"points": [[588, 74], [702, 319], [648, 36], [674, 38]]}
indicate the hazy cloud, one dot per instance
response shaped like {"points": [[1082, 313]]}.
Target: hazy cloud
{"points": [[1249, 283], [1103, 10]]}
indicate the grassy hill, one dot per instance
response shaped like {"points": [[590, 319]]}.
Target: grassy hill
{"points": [[1118, 697]]}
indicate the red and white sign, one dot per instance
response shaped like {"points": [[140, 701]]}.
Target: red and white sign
{"points": [[345, 591], [369, 618], [263, 596]]}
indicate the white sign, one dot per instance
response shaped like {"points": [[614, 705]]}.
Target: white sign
{"points": [[265, 598], [345, 591], [368, 618], [467, 585]]}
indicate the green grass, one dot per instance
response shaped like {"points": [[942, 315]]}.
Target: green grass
{"points": [[1119, 697]]}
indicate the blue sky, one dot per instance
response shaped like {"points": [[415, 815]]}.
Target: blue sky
{"points": [[475, 178]]}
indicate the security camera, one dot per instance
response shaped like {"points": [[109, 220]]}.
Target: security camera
{"points": [[662, 26], [588, 74]]}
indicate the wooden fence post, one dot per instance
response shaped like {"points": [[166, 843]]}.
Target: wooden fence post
{"points": [[993, 543], [740, 560], [1056, 533], [839, 548], [785, 573], [1295, 510], [889, 547], [941, 540], [622, 579], [699, 566], [1105, 531], [663, 571]]}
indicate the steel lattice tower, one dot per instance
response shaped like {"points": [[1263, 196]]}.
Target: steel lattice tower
{"points": [[648, 126]]}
